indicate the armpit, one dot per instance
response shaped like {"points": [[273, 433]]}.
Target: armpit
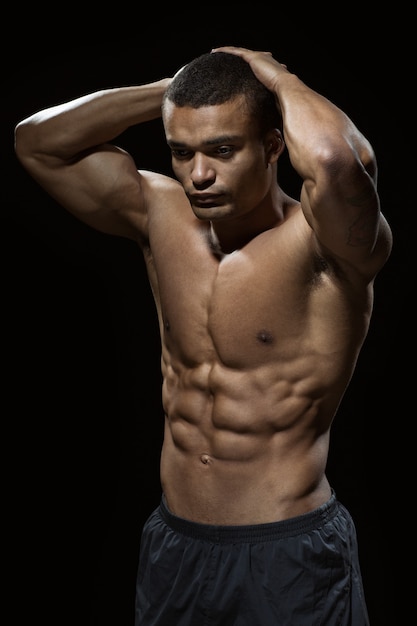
{"points": [[325, 265]]}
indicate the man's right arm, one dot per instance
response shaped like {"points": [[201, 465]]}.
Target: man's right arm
{"points": [[66, 149]]}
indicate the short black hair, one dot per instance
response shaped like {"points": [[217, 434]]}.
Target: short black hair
{"points": [[218, 77]]}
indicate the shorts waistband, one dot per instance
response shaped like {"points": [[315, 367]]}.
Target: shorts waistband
{"points": [[252, 533]]}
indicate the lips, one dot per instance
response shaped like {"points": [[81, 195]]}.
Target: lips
{"points": [[205, 200]]}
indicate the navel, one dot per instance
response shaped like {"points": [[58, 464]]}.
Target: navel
{"points": [[264, 336], [205, 459]]}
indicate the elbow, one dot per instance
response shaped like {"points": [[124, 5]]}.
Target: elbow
{"points": [[29, 144], [349, 155], [22, 141], [344, 162]]}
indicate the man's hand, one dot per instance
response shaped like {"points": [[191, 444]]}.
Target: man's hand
{"points": [[264, 66]]}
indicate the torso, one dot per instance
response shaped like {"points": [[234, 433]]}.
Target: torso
{"points": [[257, 350]]}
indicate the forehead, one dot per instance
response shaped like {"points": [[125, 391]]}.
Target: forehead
{"points": [[188, 125]]}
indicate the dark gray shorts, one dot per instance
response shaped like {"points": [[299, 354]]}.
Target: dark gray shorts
{"points": [[299, 572]]}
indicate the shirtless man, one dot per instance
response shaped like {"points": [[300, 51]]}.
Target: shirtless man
{"points": [[263, 301]]}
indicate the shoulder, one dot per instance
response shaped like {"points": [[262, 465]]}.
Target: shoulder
{"points": [[160, 191], [156, 183], [162, 199]]}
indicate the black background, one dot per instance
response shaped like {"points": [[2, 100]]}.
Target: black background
{"points": [[82, 420]]}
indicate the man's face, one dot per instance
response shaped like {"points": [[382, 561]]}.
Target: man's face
{"points": [[219, 158]]}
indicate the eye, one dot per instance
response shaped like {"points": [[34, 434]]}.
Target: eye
{"points": [[224, 151], [181, 154]]}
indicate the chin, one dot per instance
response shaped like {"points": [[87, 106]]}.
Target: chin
{"points": [[210, 212]]}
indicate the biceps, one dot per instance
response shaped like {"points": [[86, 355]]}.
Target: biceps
{"points": [[101, 188], [343, 211]]}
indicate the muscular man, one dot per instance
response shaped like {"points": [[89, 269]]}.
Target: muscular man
{"points": [[263, 301]]}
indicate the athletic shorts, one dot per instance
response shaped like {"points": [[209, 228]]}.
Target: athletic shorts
{"points": [[303, 571]]}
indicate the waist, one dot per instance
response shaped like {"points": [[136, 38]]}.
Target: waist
{"points": [[281, 478], [238, 533]]}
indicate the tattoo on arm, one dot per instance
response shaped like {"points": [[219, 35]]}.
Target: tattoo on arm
{"points": [[362, 231]]}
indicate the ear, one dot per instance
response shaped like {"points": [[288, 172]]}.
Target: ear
{"points": [[274, 145]]}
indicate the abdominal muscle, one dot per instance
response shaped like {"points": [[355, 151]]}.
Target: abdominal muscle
{"points": [[254, 454]]}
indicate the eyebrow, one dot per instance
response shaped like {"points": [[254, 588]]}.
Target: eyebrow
{"points": [[215, 141]]}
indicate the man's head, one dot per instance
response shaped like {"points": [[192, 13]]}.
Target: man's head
{"points": [[219, 77], [222, 126]]}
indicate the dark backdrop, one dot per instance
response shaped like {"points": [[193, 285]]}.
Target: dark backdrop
{"points": [[82, 419]]}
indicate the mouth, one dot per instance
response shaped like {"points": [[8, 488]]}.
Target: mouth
{"points": [[206, 200]]}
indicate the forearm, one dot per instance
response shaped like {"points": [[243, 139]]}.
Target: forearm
{"points": [[316, 131], [66, 130]]}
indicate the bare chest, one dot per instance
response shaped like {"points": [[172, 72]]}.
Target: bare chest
{"points": [[242, 309]]}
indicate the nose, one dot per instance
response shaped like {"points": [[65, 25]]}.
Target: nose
{"points": [[202, 173]]}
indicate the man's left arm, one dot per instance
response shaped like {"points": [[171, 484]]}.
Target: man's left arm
{"points": [[336, 163]]}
